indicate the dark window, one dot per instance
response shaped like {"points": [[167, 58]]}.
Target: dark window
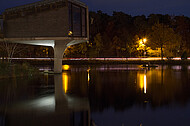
{"points": [[70, 17], [83, 12], [77, 20]]}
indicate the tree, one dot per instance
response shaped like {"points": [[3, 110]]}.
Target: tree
{"points": [[141, 25], [98, 43], [182, 27], [131, 47], [11, 49], [116, 45], [164, 37], [78, 50]]}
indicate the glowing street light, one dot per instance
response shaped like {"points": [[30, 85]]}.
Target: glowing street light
{"points": [[144, 40], [142, 45]]}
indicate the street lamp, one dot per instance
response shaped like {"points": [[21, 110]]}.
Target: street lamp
{"points": [[142, 45], [144, 41]]}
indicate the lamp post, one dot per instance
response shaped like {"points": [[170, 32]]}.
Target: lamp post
{"points": [[144, 41]]}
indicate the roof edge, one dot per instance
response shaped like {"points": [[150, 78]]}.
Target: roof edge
{"points": [[43, 2]]}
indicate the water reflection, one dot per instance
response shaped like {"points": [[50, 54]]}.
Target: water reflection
{"points": [[88, 71], [65, 79], [120, 89], [142, 80], [57, 109], [145, 83], [126, 94]]}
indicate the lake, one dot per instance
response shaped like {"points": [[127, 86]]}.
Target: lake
{"points": [[101, 95]]}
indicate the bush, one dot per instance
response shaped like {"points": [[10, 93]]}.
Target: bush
{"points": [[15, 70], [184, 56]]}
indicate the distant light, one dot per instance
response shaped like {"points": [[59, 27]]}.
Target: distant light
{"points": [[140, 41], [65, 67], [70, 33], [144, 40]]}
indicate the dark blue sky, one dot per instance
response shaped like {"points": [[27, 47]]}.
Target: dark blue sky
{"points": [[133, 7]]}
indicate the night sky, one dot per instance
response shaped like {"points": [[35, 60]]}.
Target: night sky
{"points": [[132, 7]]}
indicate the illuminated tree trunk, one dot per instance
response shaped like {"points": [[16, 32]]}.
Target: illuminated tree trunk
{"points": [[162, 54]]}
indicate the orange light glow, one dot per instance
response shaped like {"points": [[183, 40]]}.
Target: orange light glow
{"points": [[65, 67], [70, 33], [144, 40], [142, 82], [65, 80], [88, 75]]}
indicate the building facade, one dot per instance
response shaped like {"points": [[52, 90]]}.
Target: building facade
{"points": [[48, 18], [55, 23]]}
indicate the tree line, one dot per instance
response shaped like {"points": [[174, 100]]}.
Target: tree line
{"points": [[123, 35]]}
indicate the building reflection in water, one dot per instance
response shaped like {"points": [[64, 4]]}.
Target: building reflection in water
{"points": [[74, 98], [57, 109]]}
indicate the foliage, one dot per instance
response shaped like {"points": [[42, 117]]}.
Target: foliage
{"points": [[10, 49], [98, 43], [153, 52], [184, 55], [119, 31], [115, 36], [78, 50], [17, 70], [164, 37]]}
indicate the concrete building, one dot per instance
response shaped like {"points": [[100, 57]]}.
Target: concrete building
{"points": [[1, 26], [56, 23]]}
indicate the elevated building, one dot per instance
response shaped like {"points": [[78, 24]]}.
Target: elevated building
{"points": [[56, 23]]}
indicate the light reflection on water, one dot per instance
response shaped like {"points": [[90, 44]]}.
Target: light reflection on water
{"points": [[65, 79], [125, 94]]}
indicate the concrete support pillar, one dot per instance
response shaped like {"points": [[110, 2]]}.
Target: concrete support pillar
{"points": [[59, 48]]}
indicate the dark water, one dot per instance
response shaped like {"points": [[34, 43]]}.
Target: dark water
{"points": [[107, 95]]}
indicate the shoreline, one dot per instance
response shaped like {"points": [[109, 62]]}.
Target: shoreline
{"points": [[98, 62]]}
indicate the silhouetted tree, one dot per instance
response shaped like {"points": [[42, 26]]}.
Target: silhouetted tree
{"points": [[164, 37]]}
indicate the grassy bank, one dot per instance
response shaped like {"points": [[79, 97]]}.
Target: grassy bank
{"points": [[8, 70]]}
